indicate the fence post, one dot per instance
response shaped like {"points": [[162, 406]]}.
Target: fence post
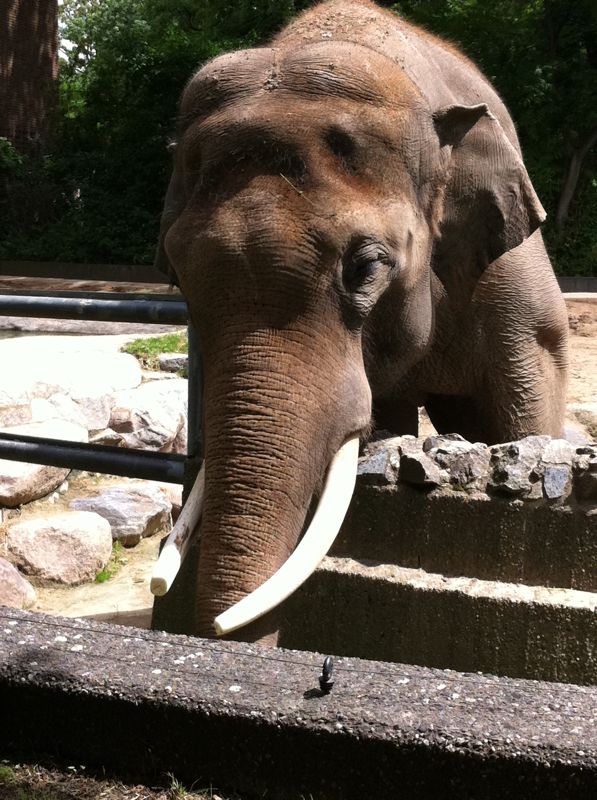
{"points": [[174, 612]]}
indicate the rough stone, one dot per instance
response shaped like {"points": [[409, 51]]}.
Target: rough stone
{"points": [[555, 468], [154, 375], [20, 482], [91, 413], [19, 414], [374, 467], [466, 463], [469, 470], [134, 510], [152, 417], [81, 367], [446, 440], [15, 590], [70, 547], [575, 433], [173, 493], [68, 378], [173, 362], [418, 469], [106, 437], [513, 467], [556, 481]]}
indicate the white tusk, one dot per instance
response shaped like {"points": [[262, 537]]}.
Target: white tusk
{"points": [[314, 545], [177, 544]]}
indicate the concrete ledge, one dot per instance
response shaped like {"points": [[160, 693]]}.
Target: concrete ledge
{"points": [[454, 533], [143, 704], [405, 615]]}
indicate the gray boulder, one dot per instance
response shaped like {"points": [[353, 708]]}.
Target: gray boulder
{"points": [[21, 483], [173, 362], [466, 463], [63, 377], [535, 467], [134, 510], [69, 548], [153, 416], [513, 467], [15, 591], [415, 466]]}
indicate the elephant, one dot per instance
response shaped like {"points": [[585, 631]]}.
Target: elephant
{"points": [[352, 225]]}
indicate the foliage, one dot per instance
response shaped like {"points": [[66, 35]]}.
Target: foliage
{"points": [[96, 195], [116, 561], [148, 351], [541, 55]]}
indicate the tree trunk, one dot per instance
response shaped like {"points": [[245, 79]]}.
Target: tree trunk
{"points": [[29, 69], [572, 177]]}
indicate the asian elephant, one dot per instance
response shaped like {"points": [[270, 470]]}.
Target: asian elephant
{"points": [[352, 225]]}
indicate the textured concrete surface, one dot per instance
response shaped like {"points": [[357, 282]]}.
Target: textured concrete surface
{"points": [[454, 533], [143, 704], [390, 613]]}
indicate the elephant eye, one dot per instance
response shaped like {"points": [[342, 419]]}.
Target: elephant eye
{"points": [[362, 263]]}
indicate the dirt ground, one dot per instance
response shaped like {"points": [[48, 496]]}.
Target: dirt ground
{"points": [[582, 316]]}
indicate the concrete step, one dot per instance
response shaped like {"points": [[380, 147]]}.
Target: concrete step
{"points": [[145, 705], [389, 613]]}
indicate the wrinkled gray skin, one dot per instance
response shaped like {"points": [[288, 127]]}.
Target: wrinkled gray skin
{"points": [[352, 225]]}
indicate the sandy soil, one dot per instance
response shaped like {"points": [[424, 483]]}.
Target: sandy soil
{"points": [[582, 315]]}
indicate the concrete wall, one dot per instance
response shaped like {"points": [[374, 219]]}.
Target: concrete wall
{"points": [[465, 557], [144, 705]]}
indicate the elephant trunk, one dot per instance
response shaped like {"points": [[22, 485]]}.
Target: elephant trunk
{"points": [[273, 425]]}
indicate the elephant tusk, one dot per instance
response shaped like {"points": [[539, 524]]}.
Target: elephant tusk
{"points": [[314, 545], [177, 544]]}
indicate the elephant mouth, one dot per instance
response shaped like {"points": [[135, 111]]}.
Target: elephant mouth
{"points": [[314, 545]]}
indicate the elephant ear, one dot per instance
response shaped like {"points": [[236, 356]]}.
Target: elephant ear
{"points": [[173, 206], [490, 204]]}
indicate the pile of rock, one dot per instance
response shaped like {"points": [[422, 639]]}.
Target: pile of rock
{"points": [[80, 388], [70, 541], [533, 468]]}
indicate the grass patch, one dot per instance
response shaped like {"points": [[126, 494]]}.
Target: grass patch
{"points": [[7, 776], [148, 350], [36, 782], [117, 560]]}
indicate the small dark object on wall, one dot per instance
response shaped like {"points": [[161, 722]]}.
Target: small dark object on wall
{"points": [[325, 679]]}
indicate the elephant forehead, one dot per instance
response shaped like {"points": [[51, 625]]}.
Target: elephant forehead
{"points": [[347, 70], [318, 71]]}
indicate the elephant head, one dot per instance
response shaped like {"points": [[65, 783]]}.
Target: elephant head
{"points": [[305, 201]]}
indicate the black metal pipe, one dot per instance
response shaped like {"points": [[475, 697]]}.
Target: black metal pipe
{"points": [[168, 297], [168, 467], [164, 312], [126, 273]]}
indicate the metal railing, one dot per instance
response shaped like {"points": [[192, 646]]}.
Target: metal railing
{"points": [[94, 306]]}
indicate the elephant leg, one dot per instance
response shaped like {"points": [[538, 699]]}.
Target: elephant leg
{"points": [[396, 415], [450, 414]]}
